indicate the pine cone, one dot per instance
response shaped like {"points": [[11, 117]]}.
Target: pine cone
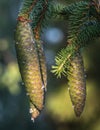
{"points": [[77, 84], [29, 65]]}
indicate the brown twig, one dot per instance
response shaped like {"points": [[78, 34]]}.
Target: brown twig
{"points": [[37, 29]]}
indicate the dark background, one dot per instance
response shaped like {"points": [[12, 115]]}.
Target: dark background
{"points": [[58, 113]]}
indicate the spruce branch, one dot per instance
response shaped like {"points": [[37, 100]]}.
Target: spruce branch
{"points": [[79, 16], [87, 33], [39, 14], [63, 59], [83, 27]]}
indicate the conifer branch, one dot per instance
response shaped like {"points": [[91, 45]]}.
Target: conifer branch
{"points": [[38, 13], [82, 28], [41, 16], [87, 33]]}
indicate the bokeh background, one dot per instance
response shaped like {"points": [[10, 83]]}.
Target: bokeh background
{"points": [[58, 113]]}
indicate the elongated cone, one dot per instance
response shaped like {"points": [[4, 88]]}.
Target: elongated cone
{"points": [[77, 84], [42, 62], [29, 65]]}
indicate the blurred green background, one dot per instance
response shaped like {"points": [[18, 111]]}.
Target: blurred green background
{"points": [[58, 113]]}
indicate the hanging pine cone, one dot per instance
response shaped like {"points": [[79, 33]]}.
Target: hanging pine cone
{"points": [[42, 61], [77, 84], [29, 66]]}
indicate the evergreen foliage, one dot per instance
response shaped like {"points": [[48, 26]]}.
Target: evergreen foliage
{"points": [[40, 14]]}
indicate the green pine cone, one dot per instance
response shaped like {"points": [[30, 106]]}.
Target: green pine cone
{"points": [[42, 62], [29, 64], [77, 84]]}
